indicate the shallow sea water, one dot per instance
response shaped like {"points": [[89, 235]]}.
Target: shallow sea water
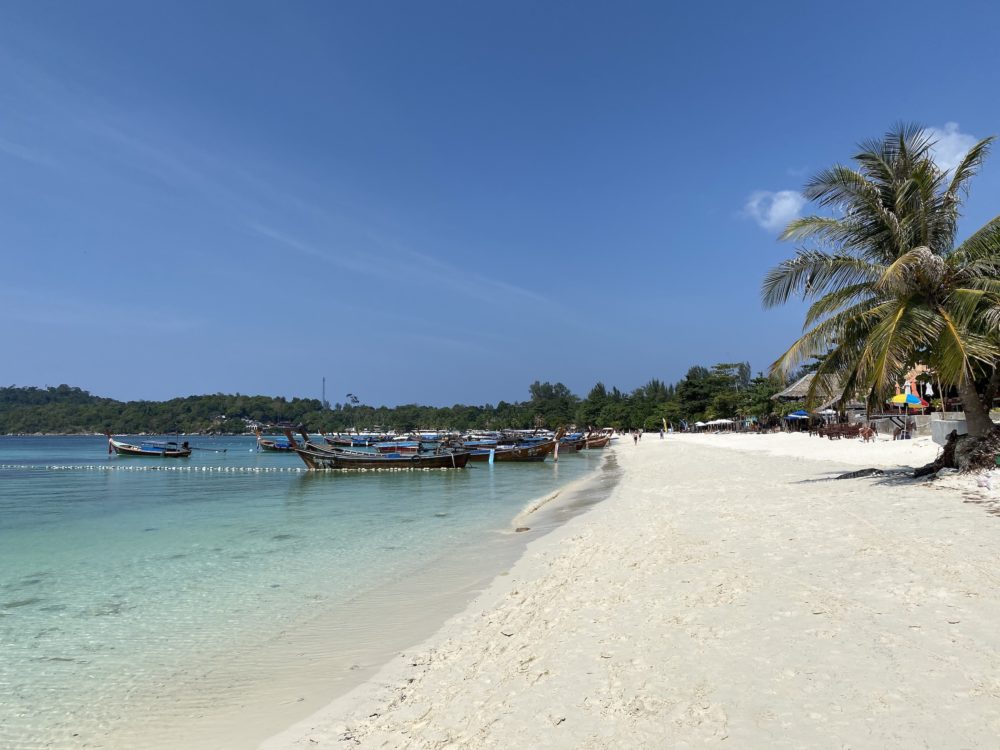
{"points": [[129, 583]]}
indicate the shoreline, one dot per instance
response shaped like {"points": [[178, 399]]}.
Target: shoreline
{"points": [[765, 608], [306, 671]]}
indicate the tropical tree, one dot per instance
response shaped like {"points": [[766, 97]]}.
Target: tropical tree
{"points": [[888, 286], [589, 411]]}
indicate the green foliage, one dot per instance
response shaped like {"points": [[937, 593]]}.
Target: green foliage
{"points": [[552, 405], [756, 399], [589, 411]]}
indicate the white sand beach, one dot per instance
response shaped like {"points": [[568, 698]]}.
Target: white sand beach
{"points": [[729, 592]]}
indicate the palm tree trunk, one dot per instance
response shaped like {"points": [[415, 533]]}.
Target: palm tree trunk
{"points": [[977, 417]]}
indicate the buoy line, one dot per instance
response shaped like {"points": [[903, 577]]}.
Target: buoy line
{"points": [[188, 469], [211, 469]]}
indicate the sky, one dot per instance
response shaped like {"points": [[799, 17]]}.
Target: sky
{"points": [[438, 202]]}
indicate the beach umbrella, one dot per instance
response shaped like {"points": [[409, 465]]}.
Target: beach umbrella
{"points": [[801, 413], [909, 400]]}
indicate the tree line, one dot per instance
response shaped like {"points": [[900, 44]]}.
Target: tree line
{"points": [[722, 390]]}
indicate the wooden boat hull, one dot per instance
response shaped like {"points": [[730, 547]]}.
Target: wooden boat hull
{"points": [[353, 441], [128, 449], [600, 442], [275, 446], [517, 454], [270, 445], [317, 458]]}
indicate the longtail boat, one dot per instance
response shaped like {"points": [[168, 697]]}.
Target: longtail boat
{"points": [[152, 449], [355, 441], [532, 452], [324, 458], [596, 441], [280, 445], [406, 447], [338, 440]]}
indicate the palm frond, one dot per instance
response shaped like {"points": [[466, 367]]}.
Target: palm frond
{"points": [[823, 337], [966, 304], [836, 300], [983, 244], [958, 349], [841, 186], [880, 358], [933, 225], [969, 166], [811, 272], [821, 228]]}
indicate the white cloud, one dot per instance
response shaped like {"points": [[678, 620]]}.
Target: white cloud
{"points": [[773, 210], [950, 145]]}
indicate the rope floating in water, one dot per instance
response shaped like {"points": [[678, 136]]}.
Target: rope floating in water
{"points": [[210, 469], [117, 467]]}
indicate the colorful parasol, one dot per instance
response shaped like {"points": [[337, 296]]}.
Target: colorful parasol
{"points": [[910, 400]]}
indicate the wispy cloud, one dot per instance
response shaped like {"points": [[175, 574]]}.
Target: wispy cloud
{"points": [[476, 285], [332, 225], [349, 261], [774, 210], [18, 151], [396, 262], [950, 145]]}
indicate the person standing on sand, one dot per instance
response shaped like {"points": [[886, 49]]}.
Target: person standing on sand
{"points": [[635, 437]]}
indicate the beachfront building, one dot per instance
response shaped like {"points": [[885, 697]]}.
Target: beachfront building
{"points": [[828, 394]]}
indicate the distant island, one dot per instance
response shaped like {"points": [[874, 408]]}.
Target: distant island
{"points": [[722, 390]]}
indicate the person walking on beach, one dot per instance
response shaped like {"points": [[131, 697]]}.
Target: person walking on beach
{"points": [[635, 437]]}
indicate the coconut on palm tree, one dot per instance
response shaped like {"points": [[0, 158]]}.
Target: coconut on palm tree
{"points": [[887, 283]]}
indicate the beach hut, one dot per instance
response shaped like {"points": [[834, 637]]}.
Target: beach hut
{"points": [[798, 390], [829, 392]]}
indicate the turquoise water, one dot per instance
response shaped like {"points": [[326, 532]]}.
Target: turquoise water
{"points": [[121, 576]]}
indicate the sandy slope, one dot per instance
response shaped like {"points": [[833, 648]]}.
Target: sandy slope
{"points": [[722, 595]]}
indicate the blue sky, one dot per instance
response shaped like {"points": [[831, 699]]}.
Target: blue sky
{"points": [[437, 202]]}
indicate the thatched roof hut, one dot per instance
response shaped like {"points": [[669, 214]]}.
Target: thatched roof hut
{"points": [[796, 391], [828, 392]]}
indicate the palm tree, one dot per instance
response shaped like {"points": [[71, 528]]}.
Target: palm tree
{"points": [[887, 285]]}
